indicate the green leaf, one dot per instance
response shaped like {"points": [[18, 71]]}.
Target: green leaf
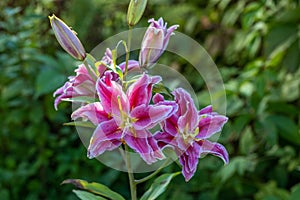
{"points": [[278, 53], [295, 194], [83, 99], [95, 188], [160, 88], [247, 142], [158, 186], [83, 195], [287, 128], [81, 124]]}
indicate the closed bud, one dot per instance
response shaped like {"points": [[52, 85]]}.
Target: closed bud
{"points": [[67, 38], [135, 11]]}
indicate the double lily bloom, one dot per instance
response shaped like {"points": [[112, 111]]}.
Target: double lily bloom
{"points": [[125, 117], [187, 131]]}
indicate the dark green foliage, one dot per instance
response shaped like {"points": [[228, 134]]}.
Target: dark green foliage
{"points": [[255, 44]]}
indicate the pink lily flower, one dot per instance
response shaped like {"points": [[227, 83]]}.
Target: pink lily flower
{"points": [[84, 83], [187, 131], [155, 41], [80, 85], [125, 117]]}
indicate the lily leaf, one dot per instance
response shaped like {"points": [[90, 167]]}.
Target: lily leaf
{"points": [[83, 99], [160, 88], [95, 188], [86, 124], [158, 186], [83, 195]]}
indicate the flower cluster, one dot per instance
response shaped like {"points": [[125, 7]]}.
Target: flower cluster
{"points": [[125, 114]]}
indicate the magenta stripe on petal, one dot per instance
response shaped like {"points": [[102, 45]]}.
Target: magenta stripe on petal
{"points": [[215, 149], [145, 146], [93, 112], [107, 131], [140, 92], [210, 125], [148, 116]]}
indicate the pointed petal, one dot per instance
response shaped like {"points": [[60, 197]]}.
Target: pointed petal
{"points": [[140, 92], [145, 145], [210, 124], [149, 116], [93, 112], [170, 125], [188, 119], [168, 35], [109, 91], [206, 110], [80, 85], [106, 137], [215, 149], [189, 161]]}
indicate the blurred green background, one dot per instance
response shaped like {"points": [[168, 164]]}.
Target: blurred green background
{"points": [[255, 44]]}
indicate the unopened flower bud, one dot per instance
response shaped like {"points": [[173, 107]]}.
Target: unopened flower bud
{"points": [[135, 11], [67, 38]]}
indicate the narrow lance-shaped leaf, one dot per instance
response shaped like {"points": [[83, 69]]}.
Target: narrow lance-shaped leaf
{"points": [[95, 188], [83, 195], [158, 186], [86, 124]]}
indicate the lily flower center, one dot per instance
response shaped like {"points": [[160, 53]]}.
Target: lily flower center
{"points": [[126, 120]]}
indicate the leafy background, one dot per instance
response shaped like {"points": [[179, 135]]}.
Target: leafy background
{"points": [[255, 44]]}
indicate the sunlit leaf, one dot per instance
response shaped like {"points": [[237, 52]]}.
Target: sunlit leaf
{"points": [[82, 99], [158, 186], [95, 188]]}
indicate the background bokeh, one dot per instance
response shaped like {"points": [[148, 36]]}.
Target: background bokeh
{"points": [[255, 44]]}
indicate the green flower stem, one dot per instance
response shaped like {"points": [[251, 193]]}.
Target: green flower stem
{"points": [[130, 174], [153, 174], [128, 50]]}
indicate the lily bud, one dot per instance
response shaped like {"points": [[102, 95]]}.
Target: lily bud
{"points": [[67, 38], [155, 42], [135, 11]]}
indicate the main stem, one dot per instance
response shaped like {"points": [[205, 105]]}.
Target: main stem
{"points": [[130, 174], [128, 50]]}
